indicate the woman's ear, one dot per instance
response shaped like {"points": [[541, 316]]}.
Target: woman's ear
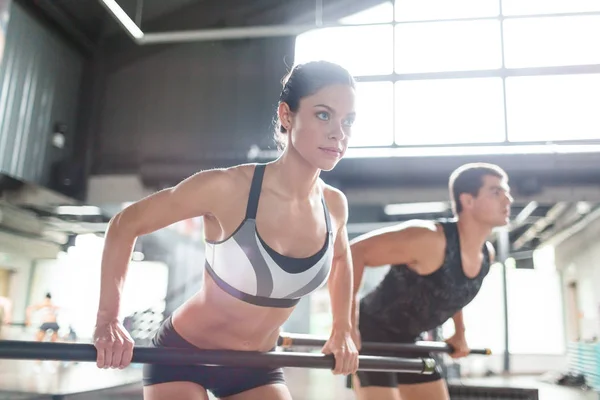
{"points": [[285, 116]]}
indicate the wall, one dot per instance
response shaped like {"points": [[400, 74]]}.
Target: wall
{"points": [[39, 87], [578, 258], [187, 105], [21, 268]]}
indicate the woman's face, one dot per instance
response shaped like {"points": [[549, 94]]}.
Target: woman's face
{"points": [[319, 131]]}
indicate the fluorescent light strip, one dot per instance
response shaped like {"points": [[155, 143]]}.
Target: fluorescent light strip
{"points": [[416, 208], [441, 151], [123, 18], [78, 210], [470, 150]]}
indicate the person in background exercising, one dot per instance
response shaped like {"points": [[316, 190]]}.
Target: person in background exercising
{"points": [[49, 313], [437, 268], [275, 233]]}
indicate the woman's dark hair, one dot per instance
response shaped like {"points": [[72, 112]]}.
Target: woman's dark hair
{"points": [[305, 80]]}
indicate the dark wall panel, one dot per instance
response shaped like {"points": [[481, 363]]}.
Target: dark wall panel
{"points": [[40, 78], [190, 102]]}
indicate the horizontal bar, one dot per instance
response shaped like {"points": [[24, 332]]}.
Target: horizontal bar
{"points": [[25, 350], [287, 340]]}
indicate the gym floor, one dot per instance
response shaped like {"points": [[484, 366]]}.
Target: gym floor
{"points": [[31, 379]]}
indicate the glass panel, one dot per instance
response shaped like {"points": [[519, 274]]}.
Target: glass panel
{"points": [[551, 108], [529, 7], [381, 13], [535, 305], [552, 41], [448, 46], [419, 10], [484, 316], [374, 115], [449, 111], [352, 47]]}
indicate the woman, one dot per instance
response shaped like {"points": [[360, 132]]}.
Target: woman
{"points": [[274, 233]]}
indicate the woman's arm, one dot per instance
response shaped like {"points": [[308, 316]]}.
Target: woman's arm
{"points": [[340, 290], [193, 197], [198, 195]]}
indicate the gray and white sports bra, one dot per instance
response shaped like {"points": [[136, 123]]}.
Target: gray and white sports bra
{"points": [[244, 266]]}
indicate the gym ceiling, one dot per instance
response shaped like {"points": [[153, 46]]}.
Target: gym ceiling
{"points": [[554, 192]]}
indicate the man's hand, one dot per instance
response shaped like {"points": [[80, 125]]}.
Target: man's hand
{"points": [[459, 344]]}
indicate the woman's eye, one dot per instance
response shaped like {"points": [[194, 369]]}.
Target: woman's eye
{"points": [[323, 115]]}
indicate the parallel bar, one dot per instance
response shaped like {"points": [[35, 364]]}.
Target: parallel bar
{"points": [[288, 340], [24, 350]]}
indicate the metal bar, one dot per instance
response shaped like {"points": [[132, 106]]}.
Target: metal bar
{"points": [[288, 340], [24, 350], [226, 34], [123, 19], [484, 73], [503, 253]]}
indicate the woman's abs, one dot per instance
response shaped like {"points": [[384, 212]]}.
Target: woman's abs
{"points": [[213, 319]]}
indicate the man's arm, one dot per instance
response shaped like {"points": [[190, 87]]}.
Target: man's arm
{"points": [[459, 341], [459, 324], [408, 243], [30, 310]]}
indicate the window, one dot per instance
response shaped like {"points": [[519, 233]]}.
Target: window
{"points": [[552, 41], [535, 315], [447, 60], [552, 108], [419, 10], [375, 113], [484, 316], [529, 7], [363, 50], [381, 13], [448, 46], [449, 111]]}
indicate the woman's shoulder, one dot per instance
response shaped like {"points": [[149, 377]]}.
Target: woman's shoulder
{"points": [[336, 201]]}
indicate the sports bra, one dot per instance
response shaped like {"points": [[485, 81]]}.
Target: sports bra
{"points": [[244, 266]]}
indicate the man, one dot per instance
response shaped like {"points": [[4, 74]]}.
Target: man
{"points": [[437, 268], [49, 317]]}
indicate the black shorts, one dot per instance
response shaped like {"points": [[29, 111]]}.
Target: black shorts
{"points": [[221, 381], [371, 331], [49, 326]]}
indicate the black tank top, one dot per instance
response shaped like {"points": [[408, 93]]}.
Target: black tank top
{"points": [[405, 302]]}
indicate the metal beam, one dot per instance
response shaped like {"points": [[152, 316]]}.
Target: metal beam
{"points": [[523, 217], [570, 231], [415, 194], [534, 230]]}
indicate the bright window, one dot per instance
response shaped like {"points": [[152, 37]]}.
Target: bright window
{"points": [[448, 46], [552, 41], [449, 111], [363, 50], [419, 10], [552, 108], [375, 112], [534, 305], [529, 7], [484, 316]]}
